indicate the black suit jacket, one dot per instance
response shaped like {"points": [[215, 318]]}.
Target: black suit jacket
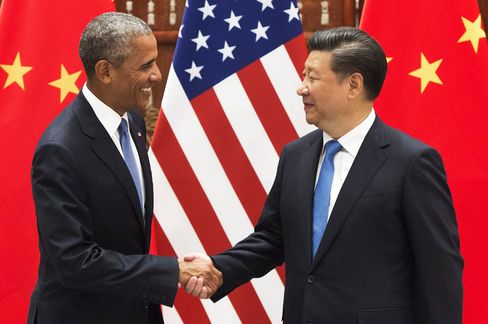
{"points": [[93, 242], [390, 252]]}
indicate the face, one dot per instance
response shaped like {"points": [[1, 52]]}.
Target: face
{"points": [[325, 98], [133, 80]]}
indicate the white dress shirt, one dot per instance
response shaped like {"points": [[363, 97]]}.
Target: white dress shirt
{"points": [[111, 121], [351, 142]]}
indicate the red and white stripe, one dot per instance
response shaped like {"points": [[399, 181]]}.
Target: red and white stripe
{"points": [[213, 160]]}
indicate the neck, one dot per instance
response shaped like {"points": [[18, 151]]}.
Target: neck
{"points": [[101, 94], [344, 124]]}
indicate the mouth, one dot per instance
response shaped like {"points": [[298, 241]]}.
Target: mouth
{"points": [[146, 90], [307, 105]]}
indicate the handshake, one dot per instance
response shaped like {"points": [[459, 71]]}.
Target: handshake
{"points": [[199, 276]]}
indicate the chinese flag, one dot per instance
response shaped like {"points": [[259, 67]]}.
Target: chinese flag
{"points": [[436, 89], [40, 72]]}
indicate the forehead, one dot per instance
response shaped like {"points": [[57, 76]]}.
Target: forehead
{"points": [[318, 60]]}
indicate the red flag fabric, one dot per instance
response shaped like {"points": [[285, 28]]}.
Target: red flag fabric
{"points": [[436, 90], [228, 108], [40, 72]]}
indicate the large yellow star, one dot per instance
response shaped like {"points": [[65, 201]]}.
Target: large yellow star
{"points": [[66, 83], [473, 32], [15, 72], [427, 72]]}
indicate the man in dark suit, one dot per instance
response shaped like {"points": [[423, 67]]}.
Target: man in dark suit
{"points": [[360, 212], [93, 192]]}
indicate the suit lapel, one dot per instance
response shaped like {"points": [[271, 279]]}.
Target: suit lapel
{"points": [[308, 165], [105, 149], [138, 135], [366, 164]]}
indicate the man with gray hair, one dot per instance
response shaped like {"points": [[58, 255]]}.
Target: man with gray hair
{"points": [[93, 193]]}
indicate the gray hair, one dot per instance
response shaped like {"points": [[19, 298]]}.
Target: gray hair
{"points": [[109, 37], [353, 50]]}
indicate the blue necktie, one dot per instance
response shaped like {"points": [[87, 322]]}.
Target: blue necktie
{"points": [[129, 156], [321, 198]]}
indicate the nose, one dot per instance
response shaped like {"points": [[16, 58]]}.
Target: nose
{"points": [[302, 90], [155, 74]]}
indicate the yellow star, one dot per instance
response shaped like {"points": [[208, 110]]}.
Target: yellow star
{"points": [[15, 72], [473, 33], [66, 83], [388, 59], [427, 72]]}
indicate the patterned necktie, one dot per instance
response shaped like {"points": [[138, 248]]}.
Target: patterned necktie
{"points": [[129, 158], [321, 198]]}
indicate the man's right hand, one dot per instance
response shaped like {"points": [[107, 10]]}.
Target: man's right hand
{"points": [[198, 275]]}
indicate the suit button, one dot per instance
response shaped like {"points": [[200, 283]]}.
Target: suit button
{"points": [[310, 279]]}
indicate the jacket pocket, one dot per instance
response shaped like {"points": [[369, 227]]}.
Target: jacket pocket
{"points": [[395, 315]]}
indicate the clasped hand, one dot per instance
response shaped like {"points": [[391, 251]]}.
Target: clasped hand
{"points": [[199, 276]]}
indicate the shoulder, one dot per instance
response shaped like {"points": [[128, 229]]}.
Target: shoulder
{"points": [[66, 128], [58, 128], [398, 140], [304, 141]]}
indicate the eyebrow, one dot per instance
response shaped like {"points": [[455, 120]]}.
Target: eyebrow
{"points": [[148, 63]]}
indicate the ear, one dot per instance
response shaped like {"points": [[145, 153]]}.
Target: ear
{"points": [[103, 70], [356, 85]]}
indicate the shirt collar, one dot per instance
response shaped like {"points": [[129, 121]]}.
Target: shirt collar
{"points": [[352, 140], [106, 115]]}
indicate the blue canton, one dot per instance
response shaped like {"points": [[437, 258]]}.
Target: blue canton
{"points": [[218, 38]]}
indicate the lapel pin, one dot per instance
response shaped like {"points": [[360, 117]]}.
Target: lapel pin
{"points": [[139, 134]]}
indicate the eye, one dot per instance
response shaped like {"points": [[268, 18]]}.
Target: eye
{"points": [[147, 66]]}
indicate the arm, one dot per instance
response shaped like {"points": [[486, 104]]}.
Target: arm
{"points": [[433, 233], [67, 230], [261, 251]]}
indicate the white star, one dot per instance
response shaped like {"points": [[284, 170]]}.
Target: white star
{"points": [[207, 10], [201, 40], [260, 31], [180, 35], [233, 21], [292, 12], [194, 71], [227, 51], [266, 4]]}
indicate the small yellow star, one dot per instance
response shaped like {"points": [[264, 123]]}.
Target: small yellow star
{"points": [[473, 33], [427, 72], [388, 59], [66, 83], [15, 72]]}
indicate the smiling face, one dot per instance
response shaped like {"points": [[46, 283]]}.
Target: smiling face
{"points": [[132, 82], [325, 95]]}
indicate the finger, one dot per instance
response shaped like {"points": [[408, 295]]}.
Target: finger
{"points": [[179, 285], [190, 257], [190, 285], [205, 293], [198, 288]]}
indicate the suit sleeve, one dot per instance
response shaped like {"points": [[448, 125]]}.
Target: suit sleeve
{"points": [[432, 228], [66, 234], [261, 251]]}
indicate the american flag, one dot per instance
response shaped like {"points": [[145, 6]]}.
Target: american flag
{"points": [[228, 108]]}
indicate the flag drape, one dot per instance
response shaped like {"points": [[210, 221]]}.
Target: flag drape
{"points": [[228, 108], [436, 90], [40, 72]]}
